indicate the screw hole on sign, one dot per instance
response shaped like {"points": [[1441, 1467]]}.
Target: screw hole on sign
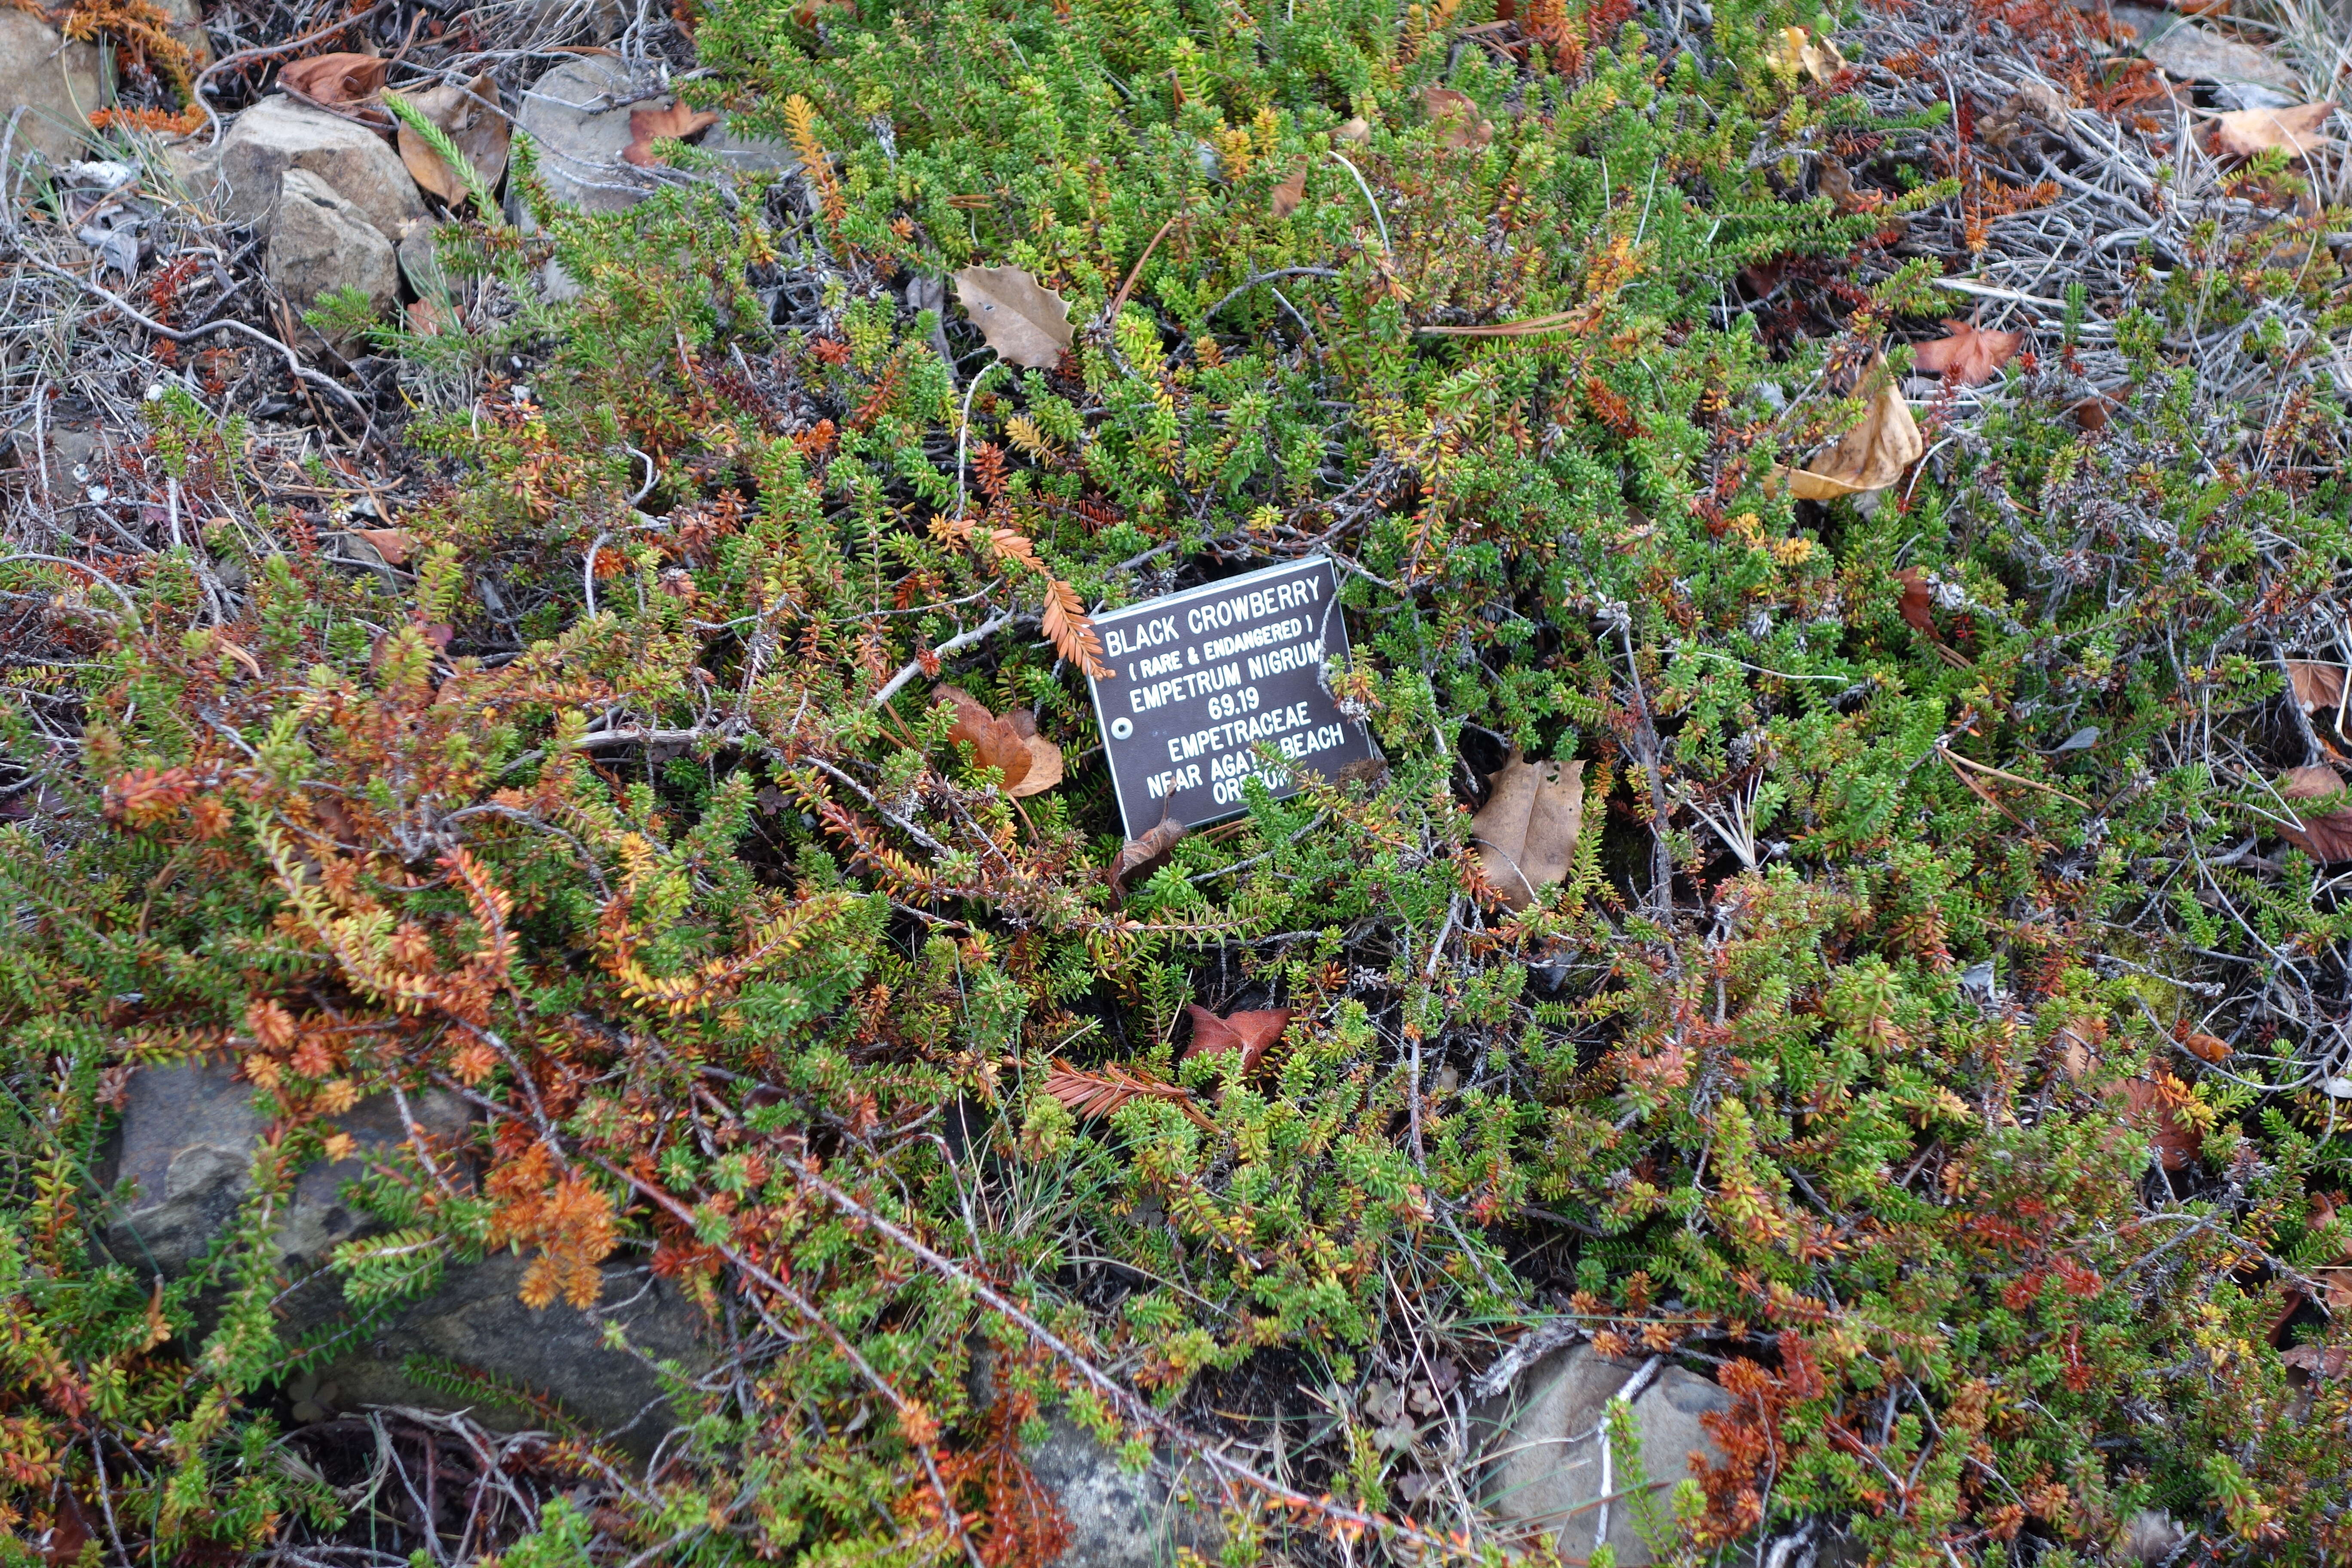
{"points": [[1120, 729]]}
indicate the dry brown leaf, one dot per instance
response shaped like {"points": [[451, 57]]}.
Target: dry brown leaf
{"points": [[1249, 1033], [474, 117], [680, 121], [430, 317], [2243, 132], [2325, 836], [336, 81], [2149, 1108], [1456, 115], [1142, 856], [2206, 1047], [1835, 181], [1290, 193], [1870, 457], [1968, 354], [1356, 131], [2075, 1058], [2316, 686], [392, 543], [1526, 832], [2323, 1363], [1025, 321], [1796, 50], [1918, 601], [2034, 106], [1030, 763], [1098, 1092], [2314, 782]]}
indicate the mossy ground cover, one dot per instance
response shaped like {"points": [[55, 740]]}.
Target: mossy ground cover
{"points": [[1936, 1037]]}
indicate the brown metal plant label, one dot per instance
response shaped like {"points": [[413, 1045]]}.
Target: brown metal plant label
{"points": [[1219, 684]]}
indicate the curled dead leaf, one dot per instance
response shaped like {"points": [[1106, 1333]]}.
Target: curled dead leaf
{"points": [[1025, 321], [678, 120], [2243, 132], [335, 80], [1142, 856], [1918, 604], [1290, 193], [1799, 51], [1251, 1034], [1968, 354], [1870, 457], [2206, 1047], [475, 117], [1355, 132], [1030, 763], [1526, 832]]}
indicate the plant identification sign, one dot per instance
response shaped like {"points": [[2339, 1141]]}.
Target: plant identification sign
{"points": [[1204, 684]]}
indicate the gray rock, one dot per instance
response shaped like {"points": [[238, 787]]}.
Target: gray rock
{"points": [[577, 21], [475, 1318], [54, 83], [2191, 53], [749, 154], [578, 113], [73, 457], [277, 134], [1120, 1518], [420, 261], [2151, 1535], [2144, 24], [186, 1143], [318, 241], [188, 27], [1545, 1456]]}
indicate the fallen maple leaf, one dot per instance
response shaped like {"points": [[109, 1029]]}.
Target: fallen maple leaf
{"points": [[1025, 321], [2243, 132], [678, 121], [1098, 1092], [1249, 1033], [1140, 857], [1870, 457], [1030, 763], [1290, 193], [1526, 832], [1461, 125], [336, 80], [476, 120], [1968, 354]]}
